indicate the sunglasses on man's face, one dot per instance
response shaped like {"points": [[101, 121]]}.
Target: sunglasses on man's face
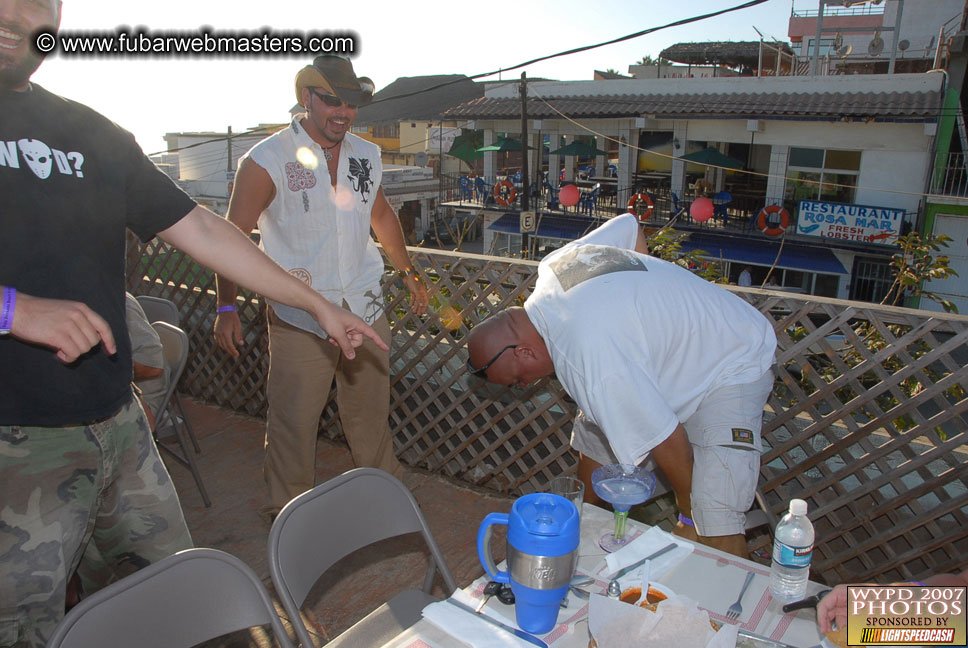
{"points": [[482, 372], [331, 100]]}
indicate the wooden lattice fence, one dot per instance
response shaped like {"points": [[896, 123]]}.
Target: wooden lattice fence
{"points": [[867, 421]]}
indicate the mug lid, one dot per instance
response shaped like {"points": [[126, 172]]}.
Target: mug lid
{"points": [[544, 524]]}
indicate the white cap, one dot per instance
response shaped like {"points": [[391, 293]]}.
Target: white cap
{"points": [[798, 507]]}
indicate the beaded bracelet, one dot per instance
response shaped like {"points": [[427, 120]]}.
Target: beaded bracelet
{"points": [[686, 521], [7, 308], [225, 309]]}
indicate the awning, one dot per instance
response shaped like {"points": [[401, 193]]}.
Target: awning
{"points": [[556, 227], [794, 256]]}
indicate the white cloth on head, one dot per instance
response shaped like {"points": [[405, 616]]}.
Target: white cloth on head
{"points": [[637, 341]]}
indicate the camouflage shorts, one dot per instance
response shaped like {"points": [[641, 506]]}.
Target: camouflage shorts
{"points": [[62, 488]]}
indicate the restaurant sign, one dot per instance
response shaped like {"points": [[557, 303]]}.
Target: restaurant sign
{"points": [[849, 222]]}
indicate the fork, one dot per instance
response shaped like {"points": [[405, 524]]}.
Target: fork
{"points": [[736, 608]]}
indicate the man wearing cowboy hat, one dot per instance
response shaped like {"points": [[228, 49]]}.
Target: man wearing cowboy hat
{"points": [[78, 465], [314, 191]]}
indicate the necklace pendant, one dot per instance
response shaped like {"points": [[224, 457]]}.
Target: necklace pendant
{"points": [[327, 155]]}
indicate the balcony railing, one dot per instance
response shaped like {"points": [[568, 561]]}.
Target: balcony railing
{"points": [[951, 178], [867, 420]]}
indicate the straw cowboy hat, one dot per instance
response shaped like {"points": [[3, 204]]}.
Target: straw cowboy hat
{"points": [[335, 75]]}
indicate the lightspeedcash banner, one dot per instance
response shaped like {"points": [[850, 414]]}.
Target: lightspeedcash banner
{"points": [[906, 616]]}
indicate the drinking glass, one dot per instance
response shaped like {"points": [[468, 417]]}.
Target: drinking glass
{"points": [[623, 486]]}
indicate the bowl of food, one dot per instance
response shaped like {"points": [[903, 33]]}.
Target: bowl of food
{"points": [[657, 592], [665, 619]]}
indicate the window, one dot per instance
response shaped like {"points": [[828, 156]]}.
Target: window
{"points": [[819, 174], [826, 47], [871, 279], [386, 130]]}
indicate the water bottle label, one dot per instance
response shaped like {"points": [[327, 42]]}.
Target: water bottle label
{"points": [[795, 557]]}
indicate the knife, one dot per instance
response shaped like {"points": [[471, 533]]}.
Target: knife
{"points": [[639, 563], [530, 638], [809, 602], [763, 641]]}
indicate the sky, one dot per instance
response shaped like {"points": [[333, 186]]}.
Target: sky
{"points": [[151, 95]]}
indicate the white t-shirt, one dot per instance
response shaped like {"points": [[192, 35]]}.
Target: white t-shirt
{"points": [[319, 233], [638, 341]]}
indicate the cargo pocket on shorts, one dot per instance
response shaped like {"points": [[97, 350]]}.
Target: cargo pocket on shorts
{"points": [[11, 629]]}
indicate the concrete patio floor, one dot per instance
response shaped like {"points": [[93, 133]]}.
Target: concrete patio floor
{"points": [[231, 468]]}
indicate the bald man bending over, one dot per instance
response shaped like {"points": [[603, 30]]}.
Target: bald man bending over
{"points": [[663, 365]]}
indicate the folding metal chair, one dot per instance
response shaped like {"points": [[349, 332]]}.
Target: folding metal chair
{"points": [[159, 309], [317, 529], [175, 344], [180, 601]]}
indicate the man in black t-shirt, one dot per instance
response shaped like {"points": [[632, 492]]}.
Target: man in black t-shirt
{"points": [[77, 463]]}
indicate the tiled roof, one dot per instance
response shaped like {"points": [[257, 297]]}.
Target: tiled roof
{"points": [[854, 105], [418, 98]]}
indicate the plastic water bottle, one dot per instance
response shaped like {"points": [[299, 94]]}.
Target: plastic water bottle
{"points": [[792, 550]]}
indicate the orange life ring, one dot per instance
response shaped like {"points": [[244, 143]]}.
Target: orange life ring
{"points": [[499, 194], [767, 222], [635, 203]]}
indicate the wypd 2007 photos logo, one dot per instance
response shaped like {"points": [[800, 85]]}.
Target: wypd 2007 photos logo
{"points": [[906, 616]]}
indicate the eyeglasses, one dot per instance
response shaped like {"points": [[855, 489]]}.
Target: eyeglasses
{"points": [[331, 100], [482, 372]]}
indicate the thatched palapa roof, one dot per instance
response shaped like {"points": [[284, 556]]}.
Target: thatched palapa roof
{"points": [[738, 54]]}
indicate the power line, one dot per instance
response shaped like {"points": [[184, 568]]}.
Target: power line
{"points": [[576, 50]]}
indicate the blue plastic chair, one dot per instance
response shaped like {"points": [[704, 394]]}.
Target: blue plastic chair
{"points": [[720, 201], [588, 202], [676, 205], [483, 190], [552, 195], [466, 188]]}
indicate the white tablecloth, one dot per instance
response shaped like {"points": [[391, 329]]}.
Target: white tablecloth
{"points": [[710, 577]]}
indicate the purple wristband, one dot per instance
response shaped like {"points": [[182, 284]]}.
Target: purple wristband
{"points": [[6, 308], [225, 309], [686, 521]]}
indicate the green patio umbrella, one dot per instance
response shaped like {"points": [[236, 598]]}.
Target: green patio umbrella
{"points": [[714, 157], [503, 144], [465, 146], [579, 148]]}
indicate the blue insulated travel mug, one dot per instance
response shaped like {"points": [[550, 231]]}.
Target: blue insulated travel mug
{"points": [[542, 551]]}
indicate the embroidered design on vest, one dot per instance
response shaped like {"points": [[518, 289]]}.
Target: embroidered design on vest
{"points": [[302, 274], [360, 176], [299, 177]]}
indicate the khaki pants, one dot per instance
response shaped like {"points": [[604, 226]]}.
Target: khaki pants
{"points": [[301, 371]]}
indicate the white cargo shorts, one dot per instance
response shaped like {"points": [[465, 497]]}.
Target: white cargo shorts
{"points": [[724, 433]]}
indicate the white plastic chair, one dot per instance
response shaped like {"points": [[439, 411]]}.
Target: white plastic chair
{"points": [[174, 342], [180, 601], [317, 529]]}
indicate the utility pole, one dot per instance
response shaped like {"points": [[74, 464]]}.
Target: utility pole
{"points": [[228, 140], [525, 185]]}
